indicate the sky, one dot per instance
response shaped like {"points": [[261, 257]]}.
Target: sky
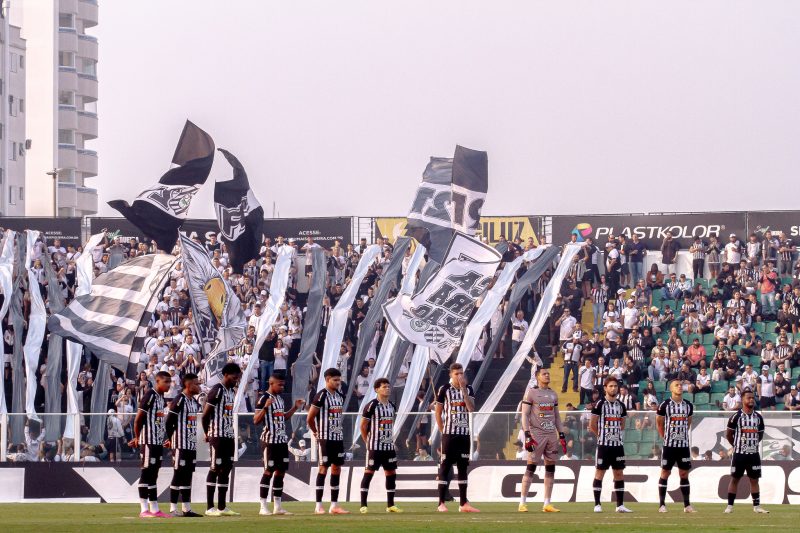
{"points": [[335, 107]]}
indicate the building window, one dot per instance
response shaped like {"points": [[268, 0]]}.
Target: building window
{"points": [[12, 110], [21, 105], [11, 199], [66, 175], [21, 150], [90, 107], [2, 130], [21, 61], [66, 137], [22, 194], [66, 98], [13, 154], [66, 20], [88, 66], [14, 62], [66, 59]]}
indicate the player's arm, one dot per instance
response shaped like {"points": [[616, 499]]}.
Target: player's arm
{"points": [[365, 429], [297, 405], [138, 422], [624, 418], [469, 398], [261, 409], [562, 438], [761, 429], [593, 424], [661, 418], [526, 414], [439, 408], [205, 420], [171, 423], [729, 432]]}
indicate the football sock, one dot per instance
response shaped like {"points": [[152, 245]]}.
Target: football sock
{"points": [[211, 486], [277, 489], [597, 486], [462, 485], [263, 486], [756, 499], [619, 490], [731, 498], [662, 491], [365, 481], [222, 490], [685, 492], [390, 487], [527, 479], [320, 487], [334, 488]]}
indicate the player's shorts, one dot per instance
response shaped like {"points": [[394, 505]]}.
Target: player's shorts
{"points": [[222, 452], [548, 448], [675, 456], [749, 463], [610, 457], [331, 452], [184, 460], [767, 402], [385, 459], [151, 455], [276, 457], [455, 448]]}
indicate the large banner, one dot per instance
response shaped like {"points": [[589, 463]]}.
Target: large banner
{"points": [[490, 229], [651, 229], [786, 222], [323, 230], [490, 481], [437, 314], [67, 229]]}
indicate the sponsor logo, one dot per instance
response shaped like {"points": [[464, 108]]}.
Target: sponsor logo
{"points": [[585, 230], [172, 199], [582, 231]]}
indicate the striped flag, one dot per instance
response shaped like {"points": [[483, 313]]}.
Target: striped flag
{"points": [[108, 320]]}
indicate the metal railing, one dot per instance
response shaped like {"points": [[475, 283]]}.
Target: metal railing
{"points": [[496, 441]]}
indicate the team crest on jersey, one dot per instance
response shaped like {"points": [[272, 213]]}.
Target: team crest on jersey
{"points": [[152, 460], [182, 463], [371, 462], [324, 458], [270, 463]]}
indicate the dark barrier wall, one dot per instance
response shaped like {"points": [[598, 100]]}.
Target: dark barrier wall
{"points": [[324, 229], [66, 229], [651, 228], [787, 222], [490, 481]]}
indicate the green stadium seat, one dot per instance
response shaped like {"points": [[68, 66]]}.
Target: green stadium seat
{"points": [[719, 386], [717, 397], [701, 397], [755, 360], [631, 449], [796, 372], [649, 437], [759, 327], [694, 336], [708, 338], [660, 386], [645, 449], [633, 435]]}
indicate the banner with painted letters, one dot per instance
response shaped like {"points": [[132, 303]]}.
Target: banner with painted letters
{"points": [[437, 314]]}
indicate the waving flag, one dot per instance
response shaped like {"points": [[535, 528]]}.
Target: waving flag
{"points": [[107, 320], [449, 199], [239, 215], [161, 209]]}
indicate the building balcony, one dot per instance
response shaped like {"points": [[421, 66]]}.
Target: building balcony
{"points": [[67, 195], [87, 10], [67, 117], [87, 124], [87, 87], [87, 163], [68, 6], [67, 40], [87, 46], [67, 156], [67, 79], [86, 200]]}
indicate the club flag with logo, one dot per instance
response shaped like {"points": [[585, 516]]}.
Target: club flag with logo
{"points": [[449, 199], [37, 318], [107, 320], [437, 314], [6, 276], [239, 215], [161, 209], [218, 315]]}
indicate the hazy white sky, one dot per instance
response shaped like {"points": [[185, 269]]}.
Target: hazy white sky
{"points": [[335, 107]]}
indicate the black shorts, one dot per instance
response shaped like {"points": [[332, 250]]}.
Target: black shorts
{"points": [[331, 452], [377, 459], [746, 462], [455, 448], [672, 456], [767, 401], [625, 269], [610, 457], [222, 452], [276, 457], [151, 455], [184, 460]]}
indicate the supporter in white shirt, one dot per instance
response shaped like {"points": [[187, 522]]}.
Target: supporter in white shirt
{"points": [[362, 383], [566, 324], [630, 316]]}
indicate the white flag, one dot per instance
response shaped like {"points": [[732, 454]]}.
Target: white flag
{"points": [[437, 314]]}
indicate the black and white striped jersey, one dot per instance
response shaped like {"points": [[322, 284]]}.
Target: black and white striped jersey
{"points": [[153, 428], [601, 373], [610, 421], [186, 409], [748, 430], [221, 399], [455, 416], [274, 420], [329, 418], [676, 422], [381, 425]]}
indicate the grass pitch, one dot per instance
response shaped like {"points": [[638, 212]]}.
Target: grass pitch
{"points": [[574, 517]]}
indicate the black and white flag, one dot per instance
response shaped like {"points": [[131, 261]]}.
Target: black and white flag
{"points": [[449, 199], [218, 314], [239, 215], [161, 209], [107, 320], [437, 314]]}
